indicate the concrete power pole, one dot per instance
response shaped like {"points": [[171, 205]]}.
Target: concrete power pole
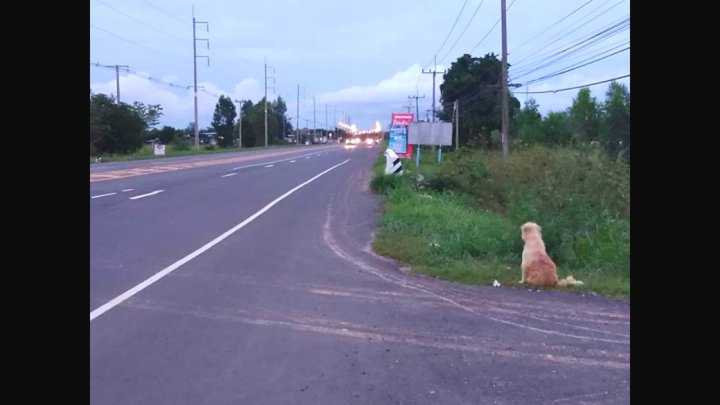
{"points": [[195, 86], [117, 77], [239, 123], [297, 118], [417, 105], [504, 86], [456, 107], [434, 72], [314, 119], [266, 89]]}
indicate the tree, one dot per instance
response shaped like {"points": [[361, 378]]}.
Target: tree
{"points": [[224, 121], [475, 82], [556, 129], [584, 117], [528, 123], [167, 134], [277, 111], [615, 123], [114, 127], [150, 113]]}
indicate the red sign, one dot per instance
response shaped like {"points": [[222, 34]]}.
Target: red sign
{"points": [[402, 118]]}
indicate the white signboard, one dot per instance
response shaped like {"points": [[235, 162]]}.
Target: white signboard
{"points": [[159, 149], [430, 133]]}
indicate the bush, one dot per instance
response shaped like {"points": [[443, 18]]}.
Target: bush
{"points": [[179, 144], [383, 183]]}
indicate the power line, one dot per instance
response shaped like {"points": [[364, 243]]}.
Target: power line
{"points": [[555, 40], [166, 12], [463, 32], [577, 87], [600, 51], [152, 79], [492, 28], [452, 28], [580, 45], [571, 68], [587, 40], [141, 22], [552, 25], [234, 67], [134, 43]]}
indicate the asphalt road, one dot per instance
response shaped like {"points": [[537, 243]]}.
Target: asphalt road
{"points": [[197, 299]]}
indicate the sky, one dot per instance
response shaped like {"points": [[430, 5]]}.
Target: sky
{"points": [[350, 61]]}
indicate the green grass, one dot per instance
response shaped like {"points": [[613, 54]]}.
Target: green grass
{"points": [[460, 220]]}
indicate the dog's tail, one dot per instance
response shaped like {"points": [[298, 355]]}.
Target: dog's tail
{"points": [[569, 281]]}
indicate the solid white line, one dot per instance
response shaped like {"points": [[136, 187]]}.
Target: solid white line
{"points": [[126, 190], [229, 174], [157, 276], [102, 195], [269, 166], [146, 195]]}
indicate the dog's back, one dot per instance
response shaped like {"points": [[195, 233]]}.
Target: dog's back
{"points": [[537, 267]]}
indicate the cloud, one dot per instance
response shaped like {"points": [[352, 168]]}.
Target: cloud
{"points": [[178, 104], [397, 88]]}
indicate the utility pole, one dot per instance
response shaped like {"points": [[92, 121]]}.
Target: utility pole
{"points": [[417, 106], [326, 121], [195, 86], [266, 88], [456, 108], [117, 77], [314, 120], [504, 86], [409, 107], [434, 72], [239, 123], [297, 118]]}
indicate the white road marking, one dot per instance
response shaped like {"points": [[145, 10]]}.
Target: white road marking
{"points": [[292, 161], [157, 276], [102, 195], [146, 195], [264, 163], [269, 166], [126, 190], [229, 174]]}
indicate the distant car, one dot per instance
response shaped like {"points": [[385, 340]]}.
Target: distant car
{"points": [[349, 144]]}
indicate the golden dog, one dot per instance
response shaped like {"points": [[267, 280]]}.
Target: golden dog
{"points": [[537, 267]]}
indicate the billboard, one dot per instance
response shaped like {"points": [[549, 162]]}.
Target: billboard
{"points": [[430, 133], [402, 118], [397, 141]]}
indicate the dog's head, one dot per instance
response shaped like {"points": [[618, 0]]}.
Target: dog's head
{"points": [[530, 228]]}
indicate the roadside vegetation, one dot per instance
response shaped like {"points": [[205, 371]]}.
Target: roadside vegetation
{"points": [[568, 171]]}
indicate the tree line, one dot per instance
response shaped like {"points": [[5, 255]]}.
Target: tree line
{"points": [[122, 128], [475, 83]]}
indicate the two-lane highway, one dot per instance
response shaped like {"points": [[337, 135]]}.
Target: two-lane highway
{"points": [[252, 282]]}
